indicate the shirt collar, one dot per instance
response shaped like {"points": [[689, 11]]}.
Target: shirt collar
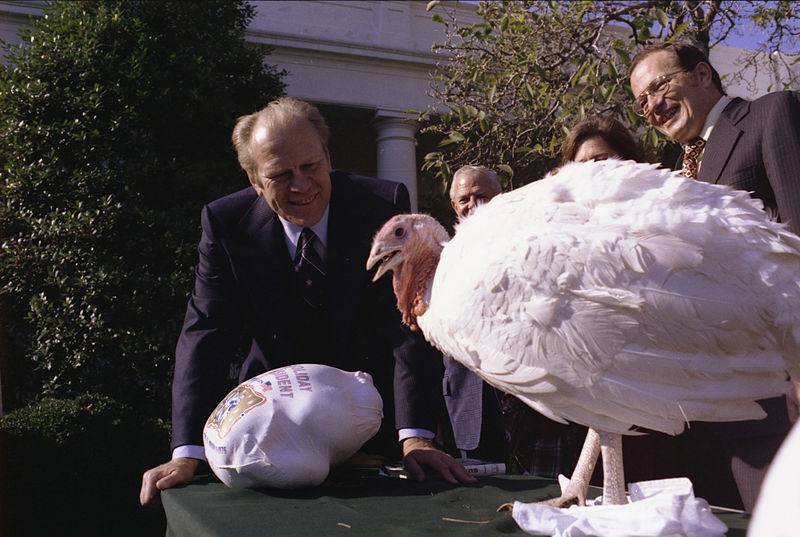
{"points": [[713, 116], [320, 229]]}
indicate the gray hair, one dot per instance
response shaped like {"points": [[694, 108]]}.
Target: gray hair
{"points": [[475, 170], [281, 111]]}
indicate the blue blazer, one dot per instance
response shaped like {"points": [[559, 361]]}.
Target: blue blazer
{"points": [[244, 292]]}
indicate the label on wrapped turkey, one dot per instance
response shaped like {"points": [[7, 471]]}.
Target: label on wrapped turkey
{"points": [[286, 427]]}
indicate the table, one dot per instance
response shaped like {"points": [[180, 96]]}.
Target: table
{"points": [[359, 504]]}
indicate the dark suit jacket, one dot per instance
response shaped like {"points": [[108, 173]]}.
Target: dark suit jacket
{"points": [[755, 146], [245, 290]]}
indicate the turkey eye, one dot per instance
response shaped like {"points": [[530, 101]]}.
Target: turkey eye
{"points": [[399, 232]]}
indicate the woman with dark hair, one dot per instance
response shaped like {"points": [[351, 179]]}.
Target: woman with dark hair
{"points": [[598, 138]]}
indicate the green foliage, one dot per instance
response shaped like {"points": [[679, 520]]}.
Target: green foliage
{"points": [[780, 20], [79, 460], [115, 131], [517, 80], [87, 423], [511, 85]]}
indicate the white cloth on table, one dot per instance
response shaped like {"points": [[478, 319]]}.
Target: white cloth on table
{"points": [[662, 508]]}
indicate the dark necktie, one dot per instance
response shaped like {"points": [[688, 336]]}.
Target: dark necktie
{"points": [[691, 155], [310, 269]]}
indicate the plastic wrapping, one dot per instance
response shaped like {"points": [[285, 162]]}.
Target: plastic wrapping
{"points": [[285, 428]]}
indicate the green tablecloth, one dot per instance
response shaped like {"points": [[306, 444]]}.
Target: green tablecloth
{"points": [[363, 505]]}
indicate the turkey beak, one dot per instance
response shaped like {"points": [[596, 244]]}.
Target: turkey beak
{"points": [[388, 258]]}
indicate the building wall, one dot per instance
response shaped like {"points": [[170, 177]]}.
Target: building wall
{"points": [[366, 63], [749, 82], [366, 70], [13, 15], [376, 55]]}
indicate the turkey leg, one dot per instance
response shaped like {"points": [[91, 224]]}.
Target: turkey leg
{"points": [[613, 471], [575, 492]]}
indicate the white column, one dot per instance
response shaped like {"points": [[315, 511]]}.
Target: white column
{"points": [[397, 150]]}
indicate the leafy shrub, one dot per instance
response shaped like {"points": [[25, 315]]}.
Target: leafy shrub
{"points": [[115, 131], [80, 462]]}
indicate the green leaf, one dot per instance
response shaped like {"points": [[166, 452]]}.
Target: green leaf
{"points": [[661, 17], [529, 92], [505, 168], [623, 55], [437, 18], [651, 137], [679, 32], [453, 138], [612, 69]]}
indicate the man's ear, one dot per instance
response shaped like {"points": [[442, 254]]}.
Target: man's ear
{"points": [[256, 186], [703, 73]]}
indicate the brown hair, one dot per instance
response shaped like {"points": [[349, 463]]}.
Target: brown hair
{"points": [[688, 57], [612, 131]]}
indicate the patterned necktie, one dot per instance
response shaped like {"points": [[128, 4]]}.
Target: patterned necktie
{"points": [[310, 269], [691, 154]]}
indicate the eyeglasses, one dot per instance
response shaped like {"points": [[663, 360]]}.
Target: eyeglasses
{"points": [[656, 87]]}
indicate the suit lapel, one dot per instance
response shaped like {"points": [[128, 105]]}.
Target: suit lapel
{"points": [[722, 141], [266, 266]]}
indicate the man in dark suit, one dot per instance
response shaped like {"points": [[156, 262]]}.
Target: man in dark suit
{"points": [[753, 146], [251, 283]]}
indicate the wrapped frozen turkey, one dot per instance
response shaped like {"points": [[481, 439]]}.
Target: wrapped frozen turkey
{"points": [[285, 428]]}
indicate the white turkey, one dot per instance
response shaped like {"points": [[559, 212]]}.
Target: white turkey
{"points": [[612, 294]]}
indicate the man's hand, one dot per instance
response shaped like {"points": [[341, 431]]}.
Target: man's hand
{"points": [[420, 452], [175, 472]]}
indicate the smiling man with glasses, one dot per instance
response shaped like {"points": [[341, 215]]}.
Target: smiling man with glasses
{"points": [[752, 146], [641, 105]]}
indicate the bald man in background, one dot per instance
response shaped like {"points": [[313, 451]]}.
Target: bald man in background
{"points": [[488, 424], [473, 405]]}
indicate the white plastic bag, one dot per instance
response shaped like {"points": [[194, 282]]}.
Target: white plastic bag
{"points": [[660, 508], [286, 427]]}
